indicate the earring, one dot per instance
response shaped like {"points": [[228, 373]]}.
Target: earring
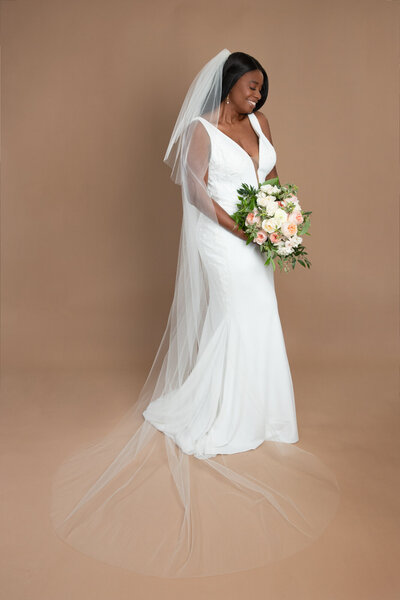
{"points": [[227, 100]]}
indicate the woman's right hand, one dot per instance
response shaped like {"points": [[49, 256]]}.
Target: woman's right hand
{"points": [[239, 232], [225, 220], [242, 235]]}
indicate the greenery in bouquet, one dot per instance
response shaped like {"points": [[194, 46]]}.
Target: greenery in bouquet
{"points": [[271, 216]]}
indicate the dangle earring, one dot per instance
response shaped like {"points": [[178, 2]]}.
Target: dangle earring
{"points": [[227, 100]]}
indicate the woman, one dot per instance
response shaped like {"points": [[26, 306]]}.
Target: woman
{"points": [[220, 384], [218, 409]]}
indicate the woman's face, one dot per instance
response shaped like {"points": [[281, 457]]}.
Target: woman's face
{"points": [[246, 92]]}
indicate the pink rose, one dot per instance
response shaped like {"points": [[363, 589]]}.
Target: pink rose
{"points": [[274, 237], [296, 217], [260, 237], [251, 219]]}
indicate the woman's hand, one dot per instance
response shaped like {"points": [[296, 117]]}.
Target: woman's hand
{"points": [[225, 220], [238, 232]]}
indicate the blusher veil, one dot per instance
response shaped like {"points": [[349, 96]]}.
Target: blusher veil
{"points": [[135, 499]]}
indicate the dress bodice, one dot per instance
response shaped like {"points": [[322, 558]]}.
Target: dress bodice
{"points": [[230, 165]]}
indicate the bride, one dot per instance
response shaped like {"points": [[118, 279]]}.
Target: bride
{"points": [[239, 390], [202, 476]]}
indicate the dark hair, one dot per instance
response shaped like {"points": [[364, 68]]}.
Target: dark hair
{"points": [[236, 65]]}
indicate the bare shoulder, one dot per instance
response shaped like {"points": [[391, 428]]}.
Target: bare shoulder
{"points": [[264, 124]]}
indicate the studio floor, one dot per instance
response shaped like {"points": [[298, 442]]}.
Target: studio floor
{"points": [[346, 416]]}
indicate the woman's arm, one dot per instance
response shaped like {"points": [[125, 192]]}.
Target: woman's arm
{"points": [[267, 132], [198, 159], [226, 221]]}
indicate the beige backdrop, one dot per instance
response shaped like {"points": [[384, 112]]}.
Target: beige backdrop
{"points": [[90, 224]]}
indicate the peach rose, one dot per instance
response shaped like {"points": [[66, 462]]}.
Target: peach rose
{"points": [[260, 238], [289, 228], [296, 217]]}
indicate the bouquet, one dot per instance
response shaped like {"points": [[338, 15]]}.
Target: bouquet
{"points": [[272, 217]]}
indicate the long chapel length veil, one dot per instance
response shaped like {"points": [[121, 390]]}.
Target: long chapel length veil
{"points": [[134, 499]]}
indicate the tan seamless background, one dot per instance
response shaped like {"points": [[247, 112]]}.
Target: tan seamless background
{"points": [[90, 224]]}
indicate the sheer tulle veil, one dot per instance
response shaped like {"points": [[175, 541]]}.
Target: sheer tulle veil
{"points": [[134, 499]]}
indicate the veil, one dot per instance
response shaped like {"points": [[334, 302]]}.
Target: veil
{"points": [[135, 499]]}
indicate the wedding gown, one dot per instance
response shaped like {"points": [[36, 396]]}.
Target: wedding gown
{"points": [[240, 392], [140, 498]]}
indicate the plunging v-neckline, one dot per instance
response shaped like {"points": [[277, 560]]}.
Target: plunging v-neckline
{"points": [[241, 147]]}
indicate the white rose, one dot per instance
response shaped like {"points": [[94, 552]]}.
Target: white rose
{"points": [[284, 251], [280, 216], [262, 200], [295, 241], [271, 206], [269, 225], [261, 194], [268, 188], [276, 189], [290, 243]]}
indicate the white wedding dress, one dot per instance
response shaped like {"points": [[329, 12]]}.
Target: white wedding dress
{"points": [[140, 498], [240, 391]]}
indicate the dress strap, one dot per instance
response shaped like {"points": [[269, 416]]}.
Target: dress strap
{"points": [[255, 122]]}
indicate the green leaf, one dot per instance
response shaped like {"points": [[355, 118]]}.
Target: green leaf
{"points": [[274, 181], [305, 227]]}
